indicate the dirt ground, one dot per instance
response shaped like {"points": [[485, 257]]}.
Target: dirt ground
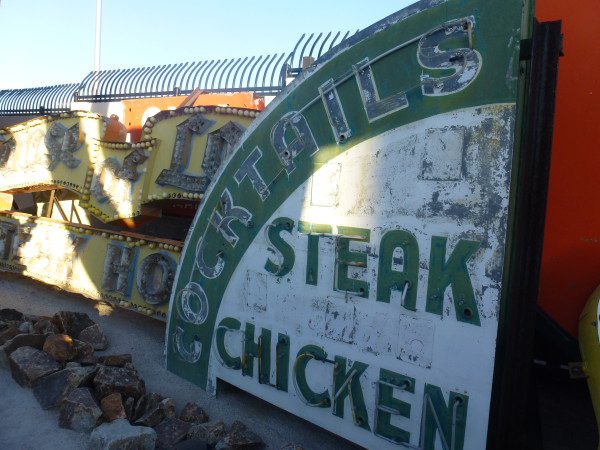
{"points": [[24, 425]]}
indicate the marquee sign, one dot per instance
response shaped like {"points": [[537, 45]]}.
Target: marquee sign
{"points": [[347, 262], [176, 159], [122, 268]]}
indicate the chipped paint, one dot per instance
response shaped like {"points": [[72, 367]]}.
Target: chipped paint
{"points": [[353, 244]]}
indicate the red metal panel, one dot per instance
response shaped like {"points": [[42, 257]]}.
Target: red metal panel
{"points": [[571, 256]]}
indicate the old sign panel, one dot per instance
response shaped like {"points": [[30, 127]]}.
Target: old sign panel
{"points": [[177, 157], [129, 269], [347, 264]]}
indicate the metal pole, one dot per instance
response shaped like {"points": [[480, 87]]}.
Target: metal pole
{"points": [[98, 26], [97, 47]]}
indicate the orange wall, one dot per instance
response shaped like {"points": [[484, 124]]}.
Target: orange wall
{"points": [[571, 256], [134, 109]]}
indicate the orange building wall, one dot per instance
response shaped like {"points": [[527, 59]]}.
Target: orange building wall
{"points": [[134, 109], [571, 255]]}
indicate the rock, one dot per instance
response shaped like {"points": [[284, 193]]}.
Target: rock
{"points": [[239, 437], [79, 411], [89, 360], [166, 408], [93, 336], [34, 318], [210, 432], [292, 447], [83, 351], [72, 364], [10, 315], [60, 347], [119, 434], [129, 406], [20, 340], [52, 389], [26, 327], [192, 444], [27, 364], [45, 326], [192, 413], [171, 431], [146, 403], [124, 380], [72, 323], [112, 407], [7, 333], [115, 360]]}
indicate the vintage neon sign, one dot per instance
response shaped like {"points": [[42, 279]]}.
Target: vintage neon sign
{"points": [[347, 262], [116, 179], [123, 268]]}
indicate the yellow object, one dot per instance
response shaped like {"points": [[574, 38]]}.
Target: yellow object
{"points": [[89, 261], [589, 344]]}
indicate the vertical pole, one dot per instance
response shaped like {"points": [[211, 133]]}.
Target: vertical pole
{"points": [[98, 26], [97, 45]]}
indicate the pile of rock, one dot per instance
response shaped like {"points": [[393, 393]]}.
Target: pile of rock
{"points": [[104, 395]]}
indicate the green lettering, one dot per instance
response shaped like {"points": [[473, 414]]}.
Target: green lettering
{"points": [[448, 420], [387, 278], [260, 350], [346, 258], [388, 405], [227, 324], [454, 273], [348, 383], [314, 231], [282, 362], [285, 250], [305, 354]]}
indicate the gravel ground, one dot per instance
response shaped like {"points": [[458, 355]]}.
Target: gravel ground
{"points": [[24, 425]]}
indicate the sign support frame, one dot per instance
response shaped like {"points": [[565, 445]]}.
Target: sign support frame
{"points": [[511, 394]]}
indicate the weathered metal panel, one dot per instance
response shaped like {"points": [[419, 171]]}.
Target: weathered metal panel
{"points": [[115, 179], [128, 270], [347, 262]]}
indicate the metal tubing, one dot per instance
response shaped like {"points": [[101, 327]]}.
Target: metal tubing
{"points": [[173, 77], [223, 62], [266, 70], [260, 68], [244, 71], [115, 83], [229, 73], [312, 49], [303, 49], [201, 71], [251, 69], [275, 68], [146, 87], [323, 45], [225, 69], [207, 73], [144, 75], [188, 73]]}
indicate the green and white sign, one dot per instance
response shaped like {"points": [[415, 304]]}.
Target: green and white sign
{"points": [[347, 262]]}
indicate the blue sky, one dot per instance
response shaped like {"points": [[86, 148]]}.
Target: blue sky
{"points": [[47, 42]]}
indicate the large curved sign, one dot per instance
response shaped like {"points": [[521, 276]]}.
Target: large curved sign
{"points": [[347, 262]]}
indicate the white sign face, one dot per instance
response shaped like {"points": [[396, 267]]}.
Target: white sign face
{"points": [[347, 265], [405, 217]]}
